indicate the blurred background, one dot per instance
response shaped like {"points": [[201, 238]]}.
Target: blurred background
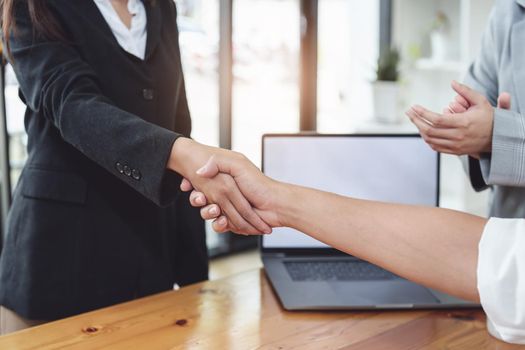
{"points": [[283, 66]]}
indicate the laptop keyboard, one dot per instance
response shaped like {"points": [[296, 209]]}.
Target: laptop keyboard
{"points": [[338, 270]]}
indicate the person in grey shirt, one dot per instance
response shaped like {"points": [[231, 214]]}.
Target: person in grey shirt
{"points": [[491, 140]]}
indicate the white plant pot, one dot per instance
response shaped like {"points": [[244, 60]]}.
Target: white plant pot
{"points": [[386, 100], [439, 45]]}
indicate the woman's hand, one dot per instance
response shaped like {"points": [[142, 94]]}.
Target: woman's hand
{"points": [[465, 128], [261, 191], [187, 157]]}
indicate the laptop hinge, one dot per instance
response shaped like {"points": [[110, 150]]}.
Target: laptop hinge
{"points": [[274, 255]]}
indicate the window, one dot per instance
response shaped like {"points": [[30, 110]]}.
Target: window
{"points": [[15, 110], [265, 72], [348, 49], [198, 22]]}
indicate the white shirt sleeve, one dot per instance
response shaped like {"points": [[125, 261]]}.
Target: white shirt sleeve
{"points": [[501, 278]]}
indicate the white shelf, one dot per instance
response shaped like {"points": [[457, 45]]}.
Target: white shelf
{"points": [[433, 65], [374, 127]]}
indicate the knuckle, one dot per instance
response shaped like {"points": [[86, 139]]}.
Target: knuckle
{"points": [[425, 133], [438, 121], [222, 189], [225, 181], [431, 132], [247, 213]]}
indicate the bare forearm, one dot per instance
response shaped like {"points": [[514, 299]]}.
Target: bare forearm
{"points": [[431, 246]]}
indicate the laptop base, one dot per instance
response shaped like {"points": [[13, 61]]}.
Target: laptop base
{"points": [[351, 295]]}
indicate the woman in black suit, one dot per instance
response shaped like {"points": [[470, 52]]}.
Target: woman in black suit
{"points": [[97, 217]]}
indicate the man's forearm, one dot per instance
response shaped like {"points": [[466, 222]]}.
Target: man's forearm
{"points": [[434, 247]]}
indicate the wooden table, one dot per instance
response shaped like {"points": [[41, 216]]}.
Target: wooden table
{"points": [[242, 312]]}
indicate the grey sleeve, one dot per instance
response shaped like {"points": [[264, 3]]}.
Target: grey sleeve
{"points": [[482, 76], [506, 165]]}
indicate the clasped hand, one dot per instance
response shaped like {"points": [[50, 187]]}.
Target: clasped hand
{"points": [[240, 213], [260, 192]]}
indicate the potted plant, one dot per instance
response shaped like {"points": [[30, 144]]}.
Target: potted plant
{"points": [[386, 87]]}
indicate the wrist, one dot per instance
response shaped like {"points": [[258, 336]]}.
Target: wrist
{"points": [[286, 203], [180, 155]]}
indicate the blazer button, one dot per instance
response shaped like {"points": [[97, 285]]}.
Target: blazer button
{"points": [[136, 174], [127, 170], [148, 94], [119, 167]]}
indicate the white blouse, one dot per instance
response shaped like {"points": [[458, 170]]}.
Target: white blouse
{"points": [[501, 278], [132, 40]]}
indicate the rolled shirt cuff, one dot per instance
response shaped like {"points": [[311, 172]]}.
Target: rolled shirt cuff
{"points": [[501, 278]]}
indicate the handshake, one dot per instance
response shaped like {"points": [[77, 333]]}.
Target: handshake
{"points": [[228, 188]]}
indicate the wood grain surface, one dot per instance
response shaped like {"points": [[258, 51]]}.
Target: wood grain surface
{"points": [[242, 312]]}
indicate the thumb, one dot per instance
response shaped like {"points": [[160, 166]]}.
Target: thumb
{"points": [[222, 163], [504, 100], [472, 96], [210, 169]]}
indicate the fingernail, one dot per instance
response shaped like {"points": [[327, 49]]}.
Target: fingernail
{"points": [[222, 221], [199, 200], [418, 110], [201, 170], [268, 231], [214, 211]]}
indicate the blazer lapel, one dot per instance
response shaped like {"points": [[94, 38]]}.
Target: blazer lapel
{"points": [[90, 10], [517, 55], [154, 27]]}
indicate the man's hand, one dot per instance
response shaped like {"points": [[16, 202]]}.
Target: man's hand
{"points": [[259, 190], [465, 127], [461, 105], [187, 157]]}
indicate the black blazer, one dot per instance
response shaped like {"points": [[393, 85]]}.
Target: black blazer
{"points": [[96, 217]]}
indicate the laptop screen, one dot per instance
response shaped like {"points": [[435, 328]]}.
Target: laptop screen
{"points": [[390, 168]]}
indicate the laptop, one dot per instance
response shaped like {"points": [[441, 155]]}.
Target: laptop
{"points": [[309, 275]]}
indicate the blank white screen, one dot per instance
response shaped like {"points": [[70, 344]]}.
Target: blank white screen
{"points": [[396, 169]]}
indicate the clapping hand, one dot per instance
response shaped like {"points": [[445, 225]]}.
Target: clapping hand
{"points": [[465, 127]]}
